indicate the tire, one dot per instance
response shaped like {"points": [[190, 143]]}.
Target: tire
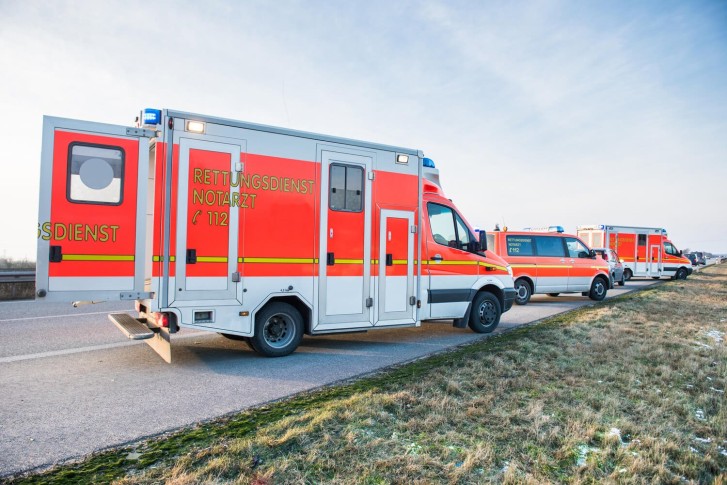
{"points": [[278, 330], [623, 280], [681, 274], [486, 313], [628, 274], [553, 294], [656, 277], [599, 288], [523, 292]]}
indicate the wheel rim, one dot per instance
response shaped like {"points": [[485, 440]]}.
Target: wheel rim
{"points": [[599, 288], [522, 291], [279, 331], [488, 313]]}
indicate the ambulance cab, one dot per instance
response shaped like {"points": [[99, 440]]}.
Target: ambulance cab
{"points": [[548, 261]]}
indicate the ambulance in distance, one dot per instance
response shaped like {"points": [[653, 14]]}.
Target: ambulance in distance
{"points": [[548, 261], [258, 233], [645, 251]]}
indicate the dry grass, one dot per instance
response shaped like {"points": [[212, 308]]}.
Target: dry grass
{"points": [[628, 391]]}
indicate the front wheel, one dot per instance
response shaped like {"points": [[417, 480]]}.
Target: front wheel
{"points": [[627, 274], [598, 289], [522, 292], [623, 280], [681, 274], [278, 330], [486, 312]]}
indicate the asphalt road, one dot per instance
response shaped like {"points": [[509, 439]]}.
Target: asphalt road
{"points": [[72, 384]]}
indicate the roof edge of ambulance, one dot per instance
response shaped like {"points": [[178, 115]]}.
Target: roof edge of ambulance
{"points": [[587, 227], [292, 132]]}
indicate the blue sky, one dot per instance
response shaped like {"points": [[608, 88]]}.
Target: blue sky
{"points": [[537, 113]]}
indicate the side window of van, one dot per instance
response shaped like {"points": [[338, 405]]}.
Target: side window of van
{"points": [[576, 249], [550, 246], [448, 228], [670, 249], [520, 246], [441, 221]]}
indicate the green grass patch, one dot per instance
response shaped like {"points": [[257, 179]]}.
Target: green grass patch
{"points": [[629, 390]]}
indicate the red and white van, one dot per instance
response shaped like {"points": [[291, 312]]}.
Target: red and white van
{"points": [[255, 232], [551, 262], [644, 251]]}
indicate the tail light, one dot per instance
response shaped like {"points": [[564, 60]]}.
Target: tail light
{"points": [[162, 319]]}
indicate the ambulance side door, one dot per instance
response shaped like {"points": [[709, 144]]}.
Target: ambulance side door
{"points": [[452, 270], [91, 221]]}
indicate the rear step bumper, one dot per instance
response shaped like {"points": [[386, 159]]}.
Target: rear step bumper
{"points": [[156, 337], [131, 327]]}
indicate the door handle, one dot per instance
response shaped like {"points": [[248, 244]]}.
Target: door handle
{"points": [[55, 254], [191, 256], [573, 261], [562, 260], [437, 257], [389, 259], [330, 259]]}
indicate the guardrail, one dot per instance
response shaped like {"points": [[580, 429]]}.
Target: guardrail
{"points": [[17, 276], [16, 285]]}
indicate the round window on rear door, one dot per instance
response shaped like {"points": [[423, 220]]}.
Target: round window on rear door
{"points": [[95, 174]]}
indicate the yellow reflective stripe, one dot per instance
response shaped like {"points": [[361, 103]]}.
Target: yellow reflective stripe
{"points": [[455, 262], [98, 257], [349, 261], [401, 261], [374, 261], [279, 260], [488, 265], [157, 259], [211, 259]]}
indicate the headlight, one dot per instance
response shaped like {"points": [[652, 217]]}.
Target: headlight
{"points": [[509, 270]]}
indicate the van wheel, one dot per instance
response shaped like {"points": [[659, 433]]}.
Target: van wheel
{"points": [[486, 312], [681, 274], [553, 294], [627, 274], [623, 280], [598, 289], [278, 330], [522, 292]]}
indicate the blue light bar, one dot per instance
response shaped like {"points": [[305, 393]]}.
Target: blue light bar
{"points": [[152, 116], [428, 162]]}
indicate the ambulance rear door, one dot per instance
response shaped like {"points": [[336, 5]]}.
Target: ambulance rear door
{"points": [[93, 201]]}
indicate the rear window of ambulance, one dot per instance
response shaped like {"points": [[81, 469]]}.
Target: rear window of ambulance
{"points": [[520, 246]]}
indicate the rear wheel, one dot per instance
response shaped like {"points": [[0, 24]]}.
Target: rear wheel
{"points": [[553, 294], [627, 274], [681, 274], [278, 330], [523, 291], [623, 280], [599, 287], [486, 312]]}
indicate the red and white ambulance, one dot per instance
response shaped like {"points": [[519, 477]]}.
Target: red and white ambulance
{"points": [[255, 232], [644, 251], [548, 261]]}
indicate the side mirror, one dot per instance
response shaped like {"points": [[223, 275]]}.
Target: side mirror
{"points": [[592, 254], [483, 241], [681, 253]]}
